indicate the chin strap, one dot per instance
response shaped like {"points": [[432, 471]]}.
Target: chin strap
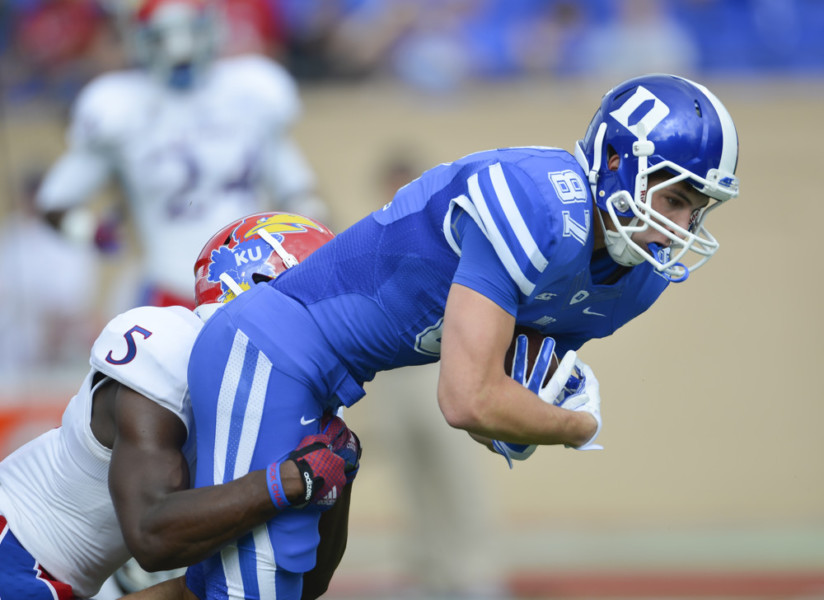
{"points": [[231, 283], [288, 260]]}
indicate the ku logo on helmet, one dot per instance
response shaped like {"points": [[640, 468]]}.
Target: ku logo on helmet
{"points": [[240, 262], [251, 253], [253, 249]]}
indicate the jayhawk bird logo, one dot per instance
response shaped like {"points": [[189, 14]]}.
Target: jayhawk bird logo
{"points": [[240, 262], [247, 253]]}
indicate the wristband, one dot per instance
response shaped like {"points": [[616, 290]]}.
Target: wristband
{"points": [[275, 487]]}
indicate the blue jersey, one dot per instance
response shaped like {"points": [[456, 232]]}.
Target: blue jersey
{"points": [[513, 224]]}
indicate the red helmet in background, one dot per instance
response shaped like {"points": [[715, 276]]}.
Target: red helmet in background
{"points": [[253, 249], [175, 40]]}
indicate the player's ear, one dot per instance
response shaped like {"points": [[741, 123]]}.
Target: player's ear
{"points": [[614, 160]]}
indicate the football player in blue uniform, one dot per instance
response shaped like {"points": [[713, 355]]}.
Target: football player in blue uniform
{"points": [[572, 245]]}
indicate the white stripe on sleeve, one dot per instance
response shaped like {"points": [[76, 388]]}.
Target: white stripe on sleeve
{"points": [[494, 236]]}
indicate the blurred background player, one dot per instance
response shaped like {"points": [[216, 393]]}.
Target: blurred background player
{"points": [[192, 139], [43, 319]]}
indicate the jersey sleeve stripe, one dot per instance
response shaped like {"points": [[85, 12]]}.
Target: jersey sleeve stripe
{"points": [[487, 223], [514, 218]]}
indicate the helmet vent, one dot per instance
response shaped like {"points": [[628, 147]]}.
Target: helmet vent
{"points": [[697, 109]]}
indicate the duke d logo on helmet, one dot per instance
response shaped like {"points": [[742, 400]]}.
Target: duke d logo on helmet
{"points": [[631, 117]]}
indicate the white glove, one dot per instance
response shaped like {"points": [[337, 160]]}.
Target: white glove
{"points": [[584, 395], [557, 388]]}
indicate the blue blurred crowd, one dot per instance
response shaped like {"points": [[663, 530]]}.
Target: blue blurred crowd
{"points": [[52, 47]]}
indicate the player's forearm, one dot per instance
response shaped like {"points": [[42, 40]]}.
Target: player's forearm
{"points": [[507, 411], [187, 526]]}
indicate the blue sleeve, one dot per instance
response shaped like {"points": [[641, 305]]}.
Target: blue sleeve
{"points": [[481, 270], [513, 211]]}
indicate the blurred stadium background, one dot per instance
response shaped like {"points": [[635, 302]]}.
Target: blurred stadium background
{"points": [[711, 482]]}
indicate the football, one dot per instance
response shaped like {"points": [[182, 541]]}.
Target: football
{"points": [[534, 338]]}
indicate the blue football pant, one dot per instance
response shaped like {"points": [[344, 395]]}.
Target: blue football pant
{"points": [[251, 409]]}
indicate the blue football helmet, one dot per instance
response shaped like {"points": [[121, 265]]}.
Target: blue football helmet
{"points": [[659, 122]]}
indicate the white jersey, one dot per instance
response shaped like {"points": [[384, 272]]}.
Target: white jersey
{"points": [[54, 490], [189, 161]]}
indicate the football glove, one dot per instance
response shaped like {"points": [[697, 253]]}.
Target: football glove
{"points": [[344, 442], [548, 393], [321, 470], [512, 451], [573, 386], [582, 393]]}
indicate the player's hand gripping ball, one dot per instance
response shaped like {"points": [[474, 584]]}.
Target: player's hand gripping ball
{"points": [[534, 341], [531, 361]]}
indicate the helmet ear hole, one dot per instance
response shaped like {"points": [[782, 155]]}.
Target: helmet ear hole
{"points": [[612, 162], [260, 277]]}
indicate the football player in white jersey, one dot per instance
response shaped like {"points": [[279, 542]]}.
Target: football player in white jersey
{"points": [[195, 141], [128, 431]]}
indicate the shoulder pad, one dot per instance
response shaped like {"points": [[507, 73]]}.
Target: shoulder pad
{"points": [[106, 107], [265, 85], [147, 349], [521, 199]]}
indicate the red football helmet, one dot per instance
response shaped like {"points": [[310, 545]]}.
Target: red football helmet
{"points": [[175, 40], [253, 249]]}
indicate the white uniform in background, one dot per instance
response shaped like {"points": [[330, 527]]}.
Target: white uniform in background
{"points": [[189, 160], [54, 490], [44, 319]]}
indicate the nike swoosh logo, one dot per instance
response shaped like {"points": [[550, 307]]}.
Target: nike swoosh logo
{"points": [[588, 311], [305, 421]]}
